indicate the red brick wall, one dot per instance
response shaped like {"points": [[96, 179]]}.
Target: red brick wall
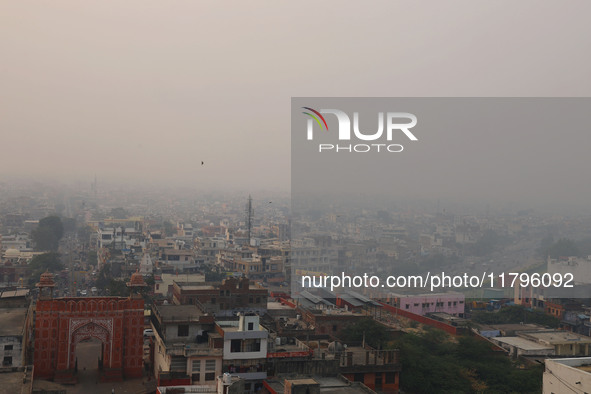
{"points": [[122, 319], [421, 319]]}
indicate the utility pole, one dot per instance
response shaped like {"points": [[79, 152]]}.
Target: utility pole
{"points": [[249, 217]]}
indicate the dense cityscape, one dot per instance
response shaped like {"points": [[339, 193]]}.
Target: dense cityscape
{"points": [[109, 288]]}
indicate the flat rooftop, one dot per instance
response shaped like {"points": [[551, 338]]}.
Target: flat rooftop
{"points": [[328, 385], [13, 321], [14, 293], [178, 312], [558, 337], [274, 305], [522, 343], [194, 286], [12, 382], [516, 327]]}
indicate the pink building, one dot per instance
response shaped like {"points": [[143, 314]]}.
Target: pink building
{"points": [[421, 304]]}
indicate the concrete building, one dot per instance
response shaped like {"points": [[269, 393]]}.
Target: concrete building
{"points": [[314, 385], [13, 337], [163, 283], [180, 260], [225, 299], [564, 343], [225, 385], [567, 375], [187, 349], [517, 346], [422, 304], [245, 349]]}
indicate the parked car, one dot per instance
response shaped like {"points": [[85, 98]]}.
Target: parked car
{"points": [[148, 332]]}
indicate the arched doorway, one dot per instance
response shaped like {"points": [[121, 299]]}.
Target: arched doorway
{"points": [[90, 343], [88, 360]]}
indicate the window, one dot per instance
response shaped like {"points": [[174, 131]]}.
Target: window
{"points": [[196, 366], [390, 378], [250, 326], [210, 365], [7, 347], [334, 328], [7, 361], [209, 376], [407, 306], [183, 330], [258, 300], [252, 345], [235, 345]]}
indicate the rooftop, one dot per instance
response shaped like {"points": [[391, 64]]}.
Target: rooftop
{"points": [[13, 321], [179, 312], [194, 286], [328, 384], [522, 343], [14, 293], [556, 337]]}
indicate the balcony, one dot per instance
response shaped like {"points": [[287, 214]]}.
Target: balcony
{"points": [[251, 375], [192, 349]]}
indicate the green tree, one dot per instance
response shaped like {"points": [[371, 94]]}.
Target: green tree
{"points": [[213, 274], [92, 258], [515, 314], [433, 362], [169, 228], [376, 334], [45, 262], [48, 233]]}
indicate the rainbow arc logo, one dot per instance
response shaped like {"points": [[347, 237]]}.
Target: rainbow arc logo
{"points": [[318, 115]]}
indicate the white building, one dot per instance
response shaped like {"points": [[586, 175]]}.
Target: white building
{"points": [[12, 336], [146, 265], [567, 375], [186, 345], [245, 349]]}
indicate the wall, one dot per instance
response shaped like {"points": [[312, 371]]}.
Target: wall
{"points": [[16, 353], [122, 319], [451, 303], [422, 319], [560, 377]]}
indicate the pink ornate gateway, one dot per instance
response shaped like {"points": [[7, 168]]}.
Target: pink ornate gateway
{"points": [[61, 323]]}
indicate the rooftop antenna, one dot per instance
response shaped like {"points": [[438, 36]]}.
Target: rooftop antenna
{"points": [[249, 215]]}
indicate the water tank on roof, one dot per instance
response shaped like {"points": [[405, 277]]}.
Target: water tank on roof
{"points": [[335, 347]]}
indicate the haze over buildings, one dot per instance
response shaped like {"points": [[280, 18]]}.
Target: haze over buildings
{"points": [[138, 92]]}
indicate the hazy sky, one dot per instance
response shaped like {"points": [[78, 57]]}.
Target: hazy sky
{"points": [[146, 90]]}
